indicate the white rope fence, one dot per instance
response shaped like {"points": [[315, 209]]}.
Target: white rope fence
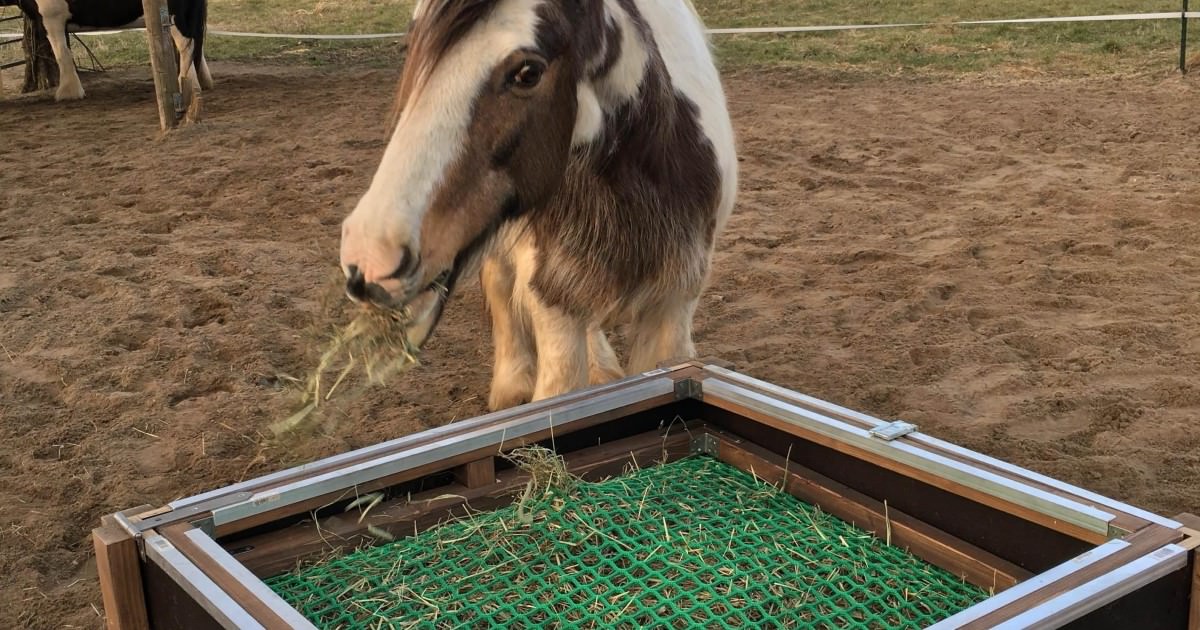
{"points": [[1118, 17], [1183, 16]]}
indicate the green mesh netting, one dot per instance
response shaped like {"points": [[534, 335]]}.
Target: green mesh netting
{"points": [[696, 543]]}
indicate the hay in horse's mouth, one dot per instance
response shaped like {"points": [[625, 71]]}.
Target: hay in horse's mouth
{"points": [[375, 341]]}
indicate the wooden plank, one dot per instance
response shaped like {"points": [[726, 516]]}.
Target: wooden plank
{"points": [[278, 551], [162, 61], [1191, 528], [967, 561], [423, 438], [1145, 541], [172, 607], [477, 473], [133, 514], [1194, 601], [450, 463], [1027, 544], [932, 479], [1192, 523], [120, 573], [272, 552], [233, 587], [1123, 520]]}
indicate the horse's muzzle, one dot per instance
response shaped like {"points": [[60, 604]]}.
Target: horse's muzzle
{"points": [[359, 290], [423, 306]]}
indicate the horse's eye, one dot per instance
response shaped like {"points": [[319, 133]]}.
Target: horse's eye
{"points": [[527, 75]]}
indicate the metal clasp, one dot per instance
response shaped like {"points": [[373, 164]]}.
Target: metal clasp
{"points": [[892, 430]]}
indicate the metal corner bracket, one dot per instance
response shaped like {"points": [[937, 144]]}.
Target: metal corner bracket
{"points": [[689, 388], [704, 443]]}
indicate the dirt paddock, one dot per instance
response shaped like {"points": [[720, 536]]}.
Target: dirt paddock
{"points": [[1014, 266]]}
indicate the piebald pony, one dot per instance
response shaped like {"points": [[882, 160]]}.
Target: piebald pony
{"points": [[581, 152]]}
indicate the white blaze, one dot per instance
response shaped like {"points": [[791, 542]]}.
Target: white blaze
{"points": [[429, 136]]}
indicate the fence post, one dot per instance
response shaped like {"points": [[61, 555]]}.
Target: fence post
{"points": [[162, 61], [41, 70], [1183, 20]]}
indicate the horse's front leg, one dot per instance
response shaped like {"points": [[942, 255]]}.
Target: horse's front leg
{"points": [[54, 18], [512, 372], [562, 350], [603, 365], [662, 334]]}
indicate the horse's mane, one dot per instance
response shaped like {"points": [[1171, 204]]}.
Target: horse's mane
{"points": [[438, 26]]}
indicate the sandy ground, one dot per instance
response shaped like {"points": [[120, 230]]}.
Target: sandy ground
{"points": [[1014, 266]]}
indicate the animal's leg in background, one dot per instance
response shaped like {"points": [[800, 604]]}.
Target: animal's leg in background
{"points": [[603, 366], [661, 334], [513, 371], [54, 17], [189, 82], [203, 74]]}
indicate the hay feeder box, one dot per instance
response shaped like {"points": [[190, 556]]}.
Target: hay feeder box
{"points": [[710, 499]]}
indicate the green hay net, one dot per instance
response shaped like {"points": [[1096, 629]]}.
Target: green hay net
{"points": [[693, 544]]}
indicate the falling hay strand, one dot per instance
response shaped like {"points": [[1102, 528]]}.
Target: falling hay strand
{"points": [[375, 342]]}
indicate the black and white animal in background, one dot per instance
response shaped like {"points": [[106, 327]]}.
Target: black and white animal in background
{"points": [[581, 154], [190, 17]]}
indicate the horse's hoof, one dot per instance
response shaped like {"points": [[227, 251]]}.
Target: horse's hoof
{"points": [[501, 400], [67, 92], [599, 376], [510, 387]]}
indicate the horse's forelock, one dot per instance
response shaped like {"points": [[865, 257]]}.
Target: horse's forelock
{"points": [[440, 24]]}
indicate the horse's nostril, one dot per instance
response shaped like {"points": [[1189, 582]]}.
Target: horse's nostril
{"points": [[356, 284], [408, 264]]}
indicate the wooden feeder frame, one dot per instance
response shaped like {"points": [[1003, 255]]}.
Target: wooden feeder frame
{"points": [[1054, 555]]}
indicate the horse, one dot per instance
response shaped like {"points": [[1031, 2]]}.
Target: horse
{"points": [[580, 155], [189, 16]]}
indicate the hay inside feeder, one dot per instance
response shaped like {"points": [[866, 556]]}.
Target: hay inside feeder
{"points": [[696, 543]]}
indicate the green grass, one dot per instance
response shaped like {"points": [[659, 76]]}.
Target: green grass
{"points": [[1070, 49], [1079, 49]]}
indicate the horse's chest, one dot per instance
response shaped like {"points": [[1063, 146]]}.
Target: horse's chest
{"points": [[599, 249]]}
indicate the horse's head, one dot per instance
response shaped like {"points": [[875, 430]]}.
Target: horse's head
{"points": [[486, 110]]}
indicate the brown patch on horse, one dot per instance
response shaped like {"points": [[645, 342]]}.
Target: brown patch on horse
{"points": [[516, 147]]}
